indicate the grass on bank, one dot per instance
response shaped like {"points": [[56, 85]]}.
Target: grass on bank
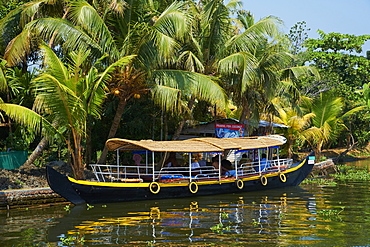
{"points": [[346, 173]]}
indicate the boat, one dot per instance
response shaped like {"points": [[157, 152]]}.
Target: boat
{"points": [[253, 164]]}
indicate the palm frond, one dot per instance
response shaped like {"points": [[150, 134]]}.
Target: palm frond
{"points": [[234, 4], [3, 80], [29, 118], [9, 25], [71, 37], [168, 98], [96, 85], [353, 111], [87, 18], [30, 11], [190, 62], [241, 63], [173, 21], [299, 71], [58, 98], [201, 86], [18, 48], [53, 64], [253, 36]]}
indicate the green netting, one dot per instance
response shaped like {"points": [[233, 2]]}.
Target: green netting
{"points": [[12, 159]]}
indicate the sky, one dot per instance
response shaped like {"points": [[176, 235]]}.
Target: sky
{"points": [[339, 16]]}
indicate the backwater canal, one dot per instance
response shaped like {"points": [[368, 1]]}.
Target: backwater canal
{"points": [[336, 214]]}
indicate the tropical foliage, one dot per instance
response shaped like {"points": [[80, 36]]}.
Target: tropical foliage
{"points": [[145, 69]]}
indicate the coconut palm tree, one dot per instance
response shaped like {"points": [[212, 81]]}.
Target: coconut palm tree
{"points": [[327, 122], [66, 94], [212, 38], [122, 28], [261, 72], [297, 124]]}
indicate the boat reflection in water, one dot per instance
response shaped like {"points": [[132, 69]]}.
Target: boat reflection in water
{"points": [[180, 221]]}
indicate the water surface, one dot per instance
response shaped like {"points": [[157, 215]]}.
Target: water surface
{"points": [[315, 215]]}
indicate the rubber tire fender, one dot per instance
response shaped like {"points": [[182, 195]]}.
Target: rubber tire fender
{"points": [[239, 184], [154, 187], [195, 189]]}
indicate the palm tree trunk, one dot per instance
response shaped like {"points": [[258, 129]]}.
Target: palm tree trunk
{"points": [[88, 151], [114, 128], [36, 153], [245, 115], [177, 133]]}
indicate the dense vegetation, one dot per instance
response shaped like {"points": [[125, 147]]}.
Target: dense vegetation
{"points": [[74, 73]]}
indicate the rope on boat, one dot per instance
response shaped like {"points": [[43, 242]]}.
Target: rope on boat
{"points": [[239, 184], [193, 187], [282, 177], [154, 187], [263, 180]]}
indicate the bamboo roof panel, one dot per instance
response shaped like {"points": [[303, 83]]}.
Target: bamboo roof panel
{"points": [[161, 146], [197, 144]]}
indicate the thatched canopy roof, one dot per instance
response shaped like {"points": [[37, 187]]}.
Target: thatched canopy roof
{"points": [[197, 144], [245, 143], [161, 146]]}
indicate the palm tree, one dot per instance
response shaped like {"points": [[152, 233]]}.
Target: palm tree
{"points": [[117, 29], [213, 36], [261, 72], [327, 122], [297, 124], [66, 94]]}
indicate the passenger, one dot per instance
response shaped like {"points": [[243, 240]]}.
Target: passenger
{"points": [[216, 162], [244, 159], [201, 161], [195, 162], [231, 173], [264, 164], [226, 165], [137, 158], [171, 160]]}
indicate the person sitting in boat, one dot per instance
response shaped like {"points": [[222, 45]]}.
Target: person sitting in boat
{"points": [[244, 159], [201, 161], [216, 161], [231, 173], [195, 162], [263, 163], [226, 167], [171, 161], [137, 158]]}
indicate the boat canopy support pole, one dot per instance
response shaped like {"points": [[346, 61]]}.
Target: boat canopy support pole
{"points": [[190, 180], [236, 165], [153, 165], [259, 161], [117, 163], [146, 161], [219, 168], [278, 158]]}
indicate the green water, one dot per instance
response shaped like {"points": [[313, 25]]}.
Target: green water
{"points": [[308, 215]]}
